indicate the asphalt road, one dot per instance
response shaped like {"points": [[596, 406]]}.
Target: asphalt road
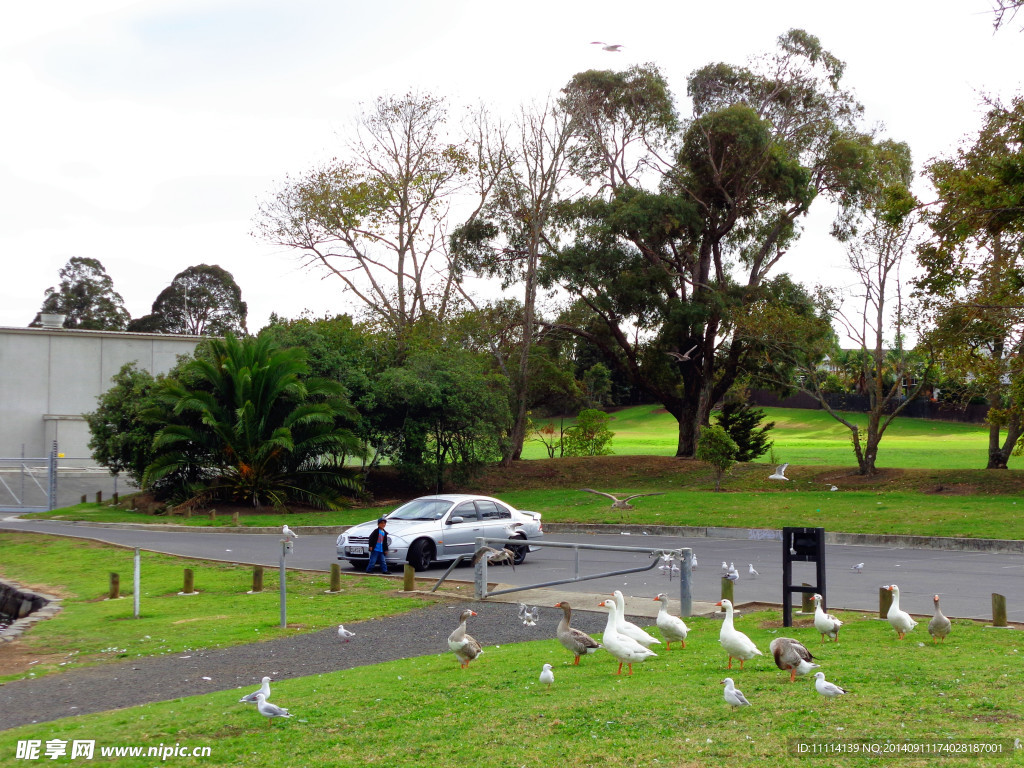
{"points": [[964, 580]]}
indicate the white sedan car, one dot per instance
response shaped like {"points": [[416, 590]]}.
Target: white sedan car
{"points": [[440, 528]]}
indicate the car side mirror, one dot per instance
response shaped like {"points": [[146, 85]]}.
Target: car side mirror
{"points": [[456, 519]]}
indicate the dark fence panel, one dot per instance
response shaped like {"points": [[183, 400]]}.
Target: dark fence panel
{"points": [[919, 409]]}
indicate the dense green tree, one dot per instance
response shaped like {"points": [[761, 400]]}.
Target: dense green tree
{"points": [[244, 424], [691, 258], [87, 297], [718, 449], [745, 425], [974, 270], [589, 436], [120, 439], [203, 300]]}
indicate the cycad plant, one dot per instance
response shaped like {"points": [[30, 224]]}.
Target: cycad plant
{"points": [[242, 423]]}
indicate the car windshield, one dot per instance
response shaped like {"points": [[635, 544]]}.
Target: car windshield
{"points": [[421, 509]]}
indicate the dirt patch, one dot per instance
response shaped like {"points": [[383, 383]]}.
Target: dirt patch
{"points": [[16, 659], [951, 490]]}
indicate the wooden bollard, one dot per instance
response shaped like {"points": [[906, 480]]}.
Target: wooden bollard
{"points": [[234, 517], [998, 610], [115, 586], [408, 578], [335, 577], [806, 603], [188, 512], [257, 578], [727, 590], [115, 498], [213, 514], [884, 602], [84, 498], [188, 588], [99, 497]]}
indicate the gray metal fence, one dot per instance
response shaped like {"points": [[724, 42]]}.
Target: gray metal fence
{"points": [[43, 483]]}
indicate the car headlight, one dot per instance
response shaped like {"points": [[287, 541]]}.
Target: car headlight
{"points": [[398, 541], [342, 539]]}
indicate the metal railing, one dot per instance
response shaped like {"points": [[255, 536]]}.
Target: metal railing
{"points": [[683, 554]]}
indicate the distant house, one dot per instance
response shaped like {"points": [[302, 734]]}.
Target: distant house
{"points": [[51, 376]]}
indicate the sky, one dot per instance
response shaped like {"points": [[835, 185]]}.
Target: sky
{"points": [[145, 134]]}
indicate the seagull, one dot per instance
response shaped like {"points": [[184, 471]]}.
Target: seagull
{"points": [[345, 634], [618, 503], [547, 676], [613, 47], [725, 567], [858, 568], [682, 358], [264, 689], [733, 695], [493, 555], [780, 473], [268, 710], [529, 616], [753, 573], [733, 575], [834, 488], [825, 688], [289, 533], [693, 561]]}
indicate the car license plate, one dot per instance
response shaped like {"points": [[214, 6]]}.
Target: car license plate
{"points": [[355, 550]]}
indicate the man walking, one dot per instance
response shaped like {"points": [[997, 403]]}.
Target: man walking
{"points": [[378, 547]]}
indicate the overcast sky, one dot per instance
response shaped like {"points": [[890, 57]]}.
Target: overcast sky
{"points": [[144, 134]]}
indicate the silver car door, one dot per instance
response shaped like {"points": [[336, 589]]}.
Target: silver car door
{"points": [[495, 518], [460, 537]]}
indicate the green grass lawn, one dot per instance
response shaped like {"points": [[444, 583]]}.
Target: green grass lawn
{"points": [[426, 711], [91, 628], [806, 437]]}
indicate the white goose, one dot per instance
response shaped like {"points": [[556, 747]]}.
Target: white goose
{"points": [[672, 627], [628, 628], [621, 647], [827, 624], [901, 621], [733, 641]]}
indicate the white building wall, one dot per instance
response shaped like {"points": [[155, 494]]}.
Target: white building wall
{"points": [[49, 378]]}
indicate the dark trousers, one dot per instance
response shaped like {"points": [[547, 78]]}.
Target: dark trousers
{"points": [[377, 557]]}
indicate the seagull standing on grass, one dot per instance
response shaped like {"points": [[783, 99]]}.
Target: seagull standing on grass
{"points": [[825, 688], [288, 533], [780, 473], [547, 676], [268, 710], [264, 689], [733, 695]]}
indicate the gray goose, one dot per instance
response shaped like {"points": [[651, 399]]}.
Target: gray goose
{"points": [[574, 640], [464, 646], [792, 655], [939, 625]]}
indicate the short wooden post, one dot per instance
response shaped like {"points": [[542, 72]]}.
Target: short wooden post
{"points": [[115, 498], [234, 517], [84, 498], [213, 514], [188, 588], [188, 512], [806, 602], [257, 578], [998, 610], [408, 578], [335, 577], [99, 497], [727, 590], [884, 602], [115, 586]]}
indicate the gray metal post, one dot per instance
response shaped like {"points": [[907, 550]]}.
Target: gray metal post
{"points": [[685, 588], [576, 570], [136, 580], [480, 573], [52, 479], [283, 589]]}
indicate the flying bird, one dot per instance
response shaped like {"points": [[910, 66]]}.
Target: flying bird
{"points": [[288, 533], [263, 689], [268, 710], [780, 473], [733, 695], [618, 503], [613, 47], [825, 688], [682, 358], [493, 555], [345, 634], [528, 615]]}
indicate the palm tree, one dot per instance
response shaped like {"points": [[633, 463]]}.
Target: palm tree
{"points": [[242, 423]]}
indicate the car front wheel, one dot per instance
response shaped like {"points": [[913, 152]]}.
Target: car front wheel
{"points": [[421, 554], [519, 551]]}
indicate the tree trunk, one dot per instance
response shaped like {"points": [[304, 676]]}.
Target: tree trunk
{"points": [[999, 454]]}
